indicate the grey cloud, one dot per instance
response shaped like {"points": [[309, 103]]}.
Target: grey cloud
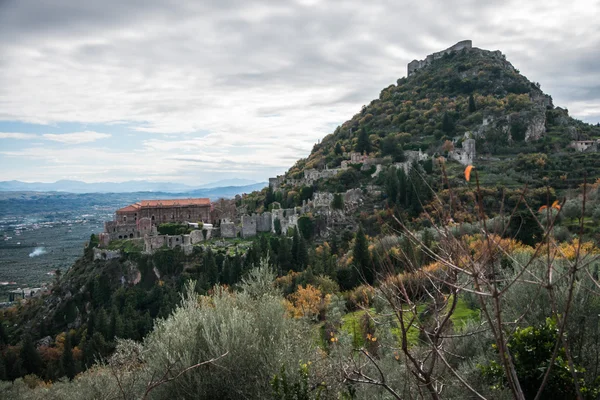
{"points": [[224, 66]]}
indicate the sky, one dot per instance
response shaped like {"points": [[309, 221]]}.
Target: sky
{"points": [[197, 91]]}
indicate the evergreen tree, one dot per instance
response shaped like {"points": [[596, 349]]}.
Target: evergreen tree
{"points": [[115, 329], [269, 197], [236, 269], [363, 144], [338, 201], [30, 358], [338, 149], [265, 247], [472, 107], [447, 124], [3, 335], [296, 250], [362, 258], [392, 185], [91, 325], [277, 226], [210, 268], [402, 187], [101, 324], [284, 256], [67, 361]]}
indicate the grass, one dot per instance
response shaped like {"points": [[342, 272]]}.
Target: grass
{"points": [[126, 246], [463, 314], [351, 322]]}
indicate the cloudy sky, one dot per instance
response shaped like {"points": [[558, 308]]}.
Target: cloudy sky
{"points": [[198, 91]]}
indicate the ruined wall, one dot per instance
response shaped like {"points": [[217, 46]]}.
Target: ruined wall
{"points": [[418, 64], [312, 175], [248, 226], [322, 199], [102, 254], [264, 222], [228, 230], [585, 145], [466, 155], [118, 231]]}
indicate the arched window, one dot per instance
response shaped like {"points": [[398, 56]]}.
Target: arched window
{"points": [[131, 235], [124, 219], [153, 218]]}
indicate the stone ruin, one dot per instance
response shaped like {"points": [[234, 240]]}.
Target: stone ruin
{"points": [[103, 254], [322, 199], [415, 65], [466, 155], [586, 146]]}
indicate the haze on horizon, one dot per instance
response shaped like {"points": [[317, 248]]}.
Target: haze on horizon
{"points": [[196, 92]]}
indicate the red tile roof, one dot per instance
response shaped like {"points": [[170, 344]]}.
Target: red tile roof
{"points": [[175, 203], [164, 203], [129, 208]]}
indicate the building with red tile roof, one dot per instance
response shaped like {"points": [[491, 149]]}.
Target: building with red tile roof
{"points": [[143, 217]]}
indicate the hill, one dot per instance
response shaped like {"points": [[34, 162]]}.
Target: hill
{"points": [[467, 94]]}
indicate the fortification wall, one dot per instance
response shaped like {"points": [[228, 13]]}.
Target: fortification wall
{"points": [[248, 226], [103, 254], [264, 222], [415, 65], [228, 230]]}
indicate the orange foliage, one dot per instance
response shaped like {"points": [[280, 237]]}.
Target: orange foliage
{"points": [[569, 250], [307, 302]]}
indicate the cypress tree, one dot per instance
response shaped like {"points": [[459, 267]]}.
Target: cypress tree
{"points": [[30, 358], [392, 185], [67, 361], [472, 107], [115, 329], [338, 201], [338, 149], [362, 258], [284, 256], [363, 144], [210, 266], [447, 124]]}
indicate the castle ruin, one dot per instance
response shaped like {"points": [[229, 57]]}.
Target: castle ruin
{"points": [[415, 65]]}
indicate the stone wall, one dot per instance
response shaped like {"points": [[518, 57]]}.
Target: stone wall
{"points": [[585, 145], [418, 64], [228, 229], [322, 199], [248, 226], [264, 222], [466, 155], [154, 243], [103, 254], [312, 175]]}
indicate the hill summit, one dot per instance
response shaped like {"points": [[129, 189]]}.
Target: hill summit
{"points": [[463, 103]]}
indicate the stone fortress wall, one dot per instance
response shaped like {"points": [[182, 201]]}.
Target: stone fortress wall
{"points": [[418, 64]]}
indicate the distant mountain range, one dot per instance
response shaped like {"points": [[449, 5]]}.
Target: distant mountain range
{"points": [[120, 187]]}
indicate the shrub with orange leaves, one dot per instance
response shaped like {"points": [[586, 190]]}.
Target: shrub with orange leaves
{"points": [[568, 250], [307, 302], [478, 245]]}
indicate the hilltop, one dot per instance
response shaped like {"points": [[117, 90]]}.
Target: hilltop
{"points": [[459, 95]]}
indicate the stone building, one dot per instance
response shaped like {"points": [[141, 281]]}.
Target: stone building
{"points": [[585, 145], [141, 218], [466, 155]]}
